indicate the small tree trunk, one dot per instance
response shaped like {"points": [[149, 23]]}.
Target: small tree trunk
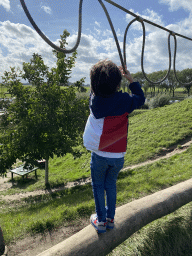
{"points": [[46, 171]]}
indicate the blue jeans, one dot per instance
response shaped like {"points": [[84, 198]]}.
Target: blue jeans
{"points": [[104, 173]]}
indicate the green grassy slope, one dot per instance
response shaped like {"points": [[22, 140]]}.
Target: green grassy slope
{"points": [[149, 133]]}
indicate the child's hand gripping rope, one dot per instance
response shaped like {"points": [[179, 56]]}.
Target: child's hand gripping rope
{"points": [[127, 75]]}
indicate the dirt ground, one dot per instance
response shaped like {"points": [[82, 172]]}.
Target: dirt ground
{"points": [[31, 246]]}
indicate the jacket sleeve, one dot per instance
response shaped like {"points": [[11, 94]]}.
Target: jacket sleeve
{"points": [[137, 98]]}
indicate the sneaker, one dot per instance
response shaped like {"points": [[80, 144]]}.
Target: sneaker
{"points": [[99, 226], [110, 223]]}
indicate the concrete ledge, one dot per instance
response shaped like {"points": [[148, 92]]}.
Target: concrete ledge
{"points": [[129, 218]]}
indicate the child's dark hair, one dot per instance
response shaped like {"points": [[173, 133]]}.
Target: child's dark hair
{"points": [[105, 78]]}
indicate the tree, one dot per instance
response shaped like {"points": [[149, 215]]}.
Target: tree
{"points": [[40, 122], [186, 77], [155, 77], [124, 84], [139, 77], [79, 85], [172, 82], [146, 86], [64, 63]]}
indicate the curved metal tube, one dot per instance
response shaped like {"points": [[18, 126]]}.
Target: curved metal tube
{"points": [[45, 38]]}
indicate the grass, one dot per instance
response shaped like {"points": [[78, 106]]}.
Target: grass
{"points": [[4, 94], [150, 132], [68, 207], [154, 177], [42, 213], [180, 93], [170, 235]]}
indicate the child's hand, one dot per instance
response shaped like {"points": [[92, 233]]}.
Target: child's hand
{"points": [[127, 75]]}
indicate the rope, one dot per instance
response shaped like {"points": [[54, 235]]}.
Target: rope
{"points": [[145, 20], [143, 48], [114, 34], [171, 33], [174, 63], [122, 58], [45, 38], [142, 63]]}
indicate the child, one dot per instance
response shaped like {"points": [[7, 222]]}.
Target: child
{"points": [[106, 135]]}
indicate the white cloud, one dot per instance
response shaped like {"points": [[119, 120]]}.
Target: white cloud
{"points": [[18, 42], [98, 31], [16, 30], [5, 4], [107, 33], [98, 24], [129, 17], [46, 9], [156, 55], [177, 4], [148, 15], [90, 51]]}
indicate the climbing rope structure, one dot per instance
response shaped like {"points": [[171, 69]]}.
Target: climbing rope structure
{"points": [[122, 57]]}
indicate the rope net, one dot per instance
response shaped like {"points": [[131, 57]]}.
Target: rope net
{"points": [[122, 57]]}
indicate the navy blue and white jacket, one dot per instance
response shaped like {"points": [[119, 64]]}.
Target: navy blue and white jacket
{"points": [[106, 129]]}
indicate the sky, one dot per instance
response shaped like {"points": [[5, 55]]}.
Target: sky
{"points": [[19, 40]]}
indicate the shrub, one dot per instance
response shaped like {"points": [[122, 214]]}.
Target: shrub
{"points": [[159, 101], [145, 106]]}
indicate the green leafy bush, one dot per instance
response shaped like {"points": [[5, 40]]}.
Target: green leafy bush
{"points": [[159, 101], [145, 106]]}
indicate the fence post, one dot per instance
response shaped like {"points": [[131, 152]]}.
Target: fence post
{"points": [[129, 219]]}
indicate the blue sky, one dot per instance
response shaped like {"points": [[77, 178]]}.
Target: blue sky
{"points": [[18, 39]]}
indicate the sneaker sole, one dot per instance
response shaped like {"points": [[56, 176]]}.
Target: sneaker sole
{"points": [[108, 227], [98, 230]]}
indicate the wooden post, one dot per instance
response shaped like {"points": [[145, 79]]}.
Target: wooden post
{"points": [[129, 218]]}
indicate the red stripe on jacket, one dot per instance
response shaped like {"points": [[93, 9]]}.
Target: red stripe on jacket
{"points": [[114, 135]]}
